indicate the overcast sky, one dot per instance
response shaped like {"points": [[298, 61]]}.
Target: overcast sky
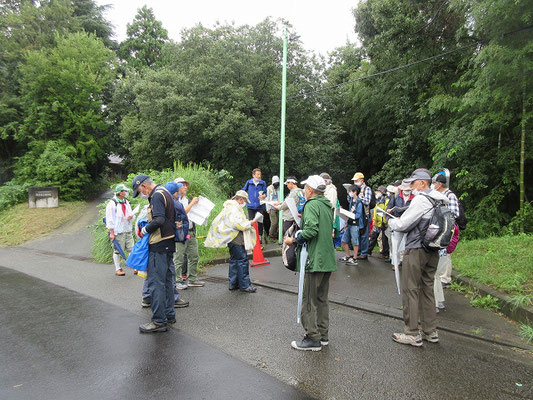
{"points": [[322, 25]]}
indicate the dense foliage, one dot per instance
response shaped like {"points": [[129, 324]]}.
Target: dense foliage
{"points": [[69, 96]]}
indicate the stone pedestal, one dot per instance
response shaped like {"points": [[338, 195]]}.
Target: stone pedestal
{"points": [[43, 197]]}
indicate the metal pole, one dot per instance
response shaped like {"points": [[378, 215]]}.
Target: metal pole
{"points": [[282, 140]]}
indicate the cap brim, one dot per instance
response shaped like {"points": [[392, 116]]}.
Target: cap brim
{"points": [[409, 180], [135, 193]]}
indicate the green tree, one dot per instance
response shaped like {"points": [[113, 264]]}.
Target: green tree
{"points": [[146, 38]]}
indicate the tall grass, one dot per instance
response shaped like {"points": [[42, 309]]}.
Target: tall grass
{"points": [[204, 181]]}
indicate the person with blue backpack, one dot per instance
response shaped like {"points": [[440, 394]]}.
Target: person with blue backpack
{"points": [[297, 195]]}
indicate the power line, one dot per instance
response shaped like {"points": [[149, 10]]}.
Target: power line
{"points": [[401, 66]]}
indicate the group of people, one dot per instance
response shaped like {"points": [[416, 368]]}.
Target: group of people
{"points": [[410, 201]]}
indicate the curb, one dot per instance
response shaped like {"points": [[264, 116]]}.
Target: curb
{"points": [[225, 260], [516, 313]]}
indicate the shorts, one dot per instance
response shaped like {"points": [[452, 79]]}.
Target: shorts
{"points": [[351, 234], [125, 240]]}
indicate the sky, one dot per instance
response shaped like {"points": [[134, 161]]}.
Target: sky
{"points": [[322, 25]]}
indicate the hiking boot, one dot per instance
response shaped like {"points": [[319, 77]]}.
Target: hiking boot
{"points": [[181, 304], [152, 326], [196, 283], [146, 302], [171, 320], [404, 338], [233, 288], [351, 261], [433, 337], [249, 289], [120, 272], [182, 285], [362, 257], [306, 345], [324, 341]]}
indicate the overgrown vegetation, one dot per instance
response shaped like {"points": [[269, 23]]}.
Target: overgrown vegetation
{"points": [[20, 224], [526, 332], [505, 263], [487, 302], [204, 181]]}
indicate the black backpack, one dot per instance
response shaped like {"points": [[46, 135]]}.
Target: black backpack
{"points": [[461, 220], [372, 203], [289, 254], [440, 229]]}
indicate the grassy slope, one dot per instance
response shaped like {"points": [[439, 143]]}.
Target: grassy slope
{"points": [[21, 224], [505, 263]]}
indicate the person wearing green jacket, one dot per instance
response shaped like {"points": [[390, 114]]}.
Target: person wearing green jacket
{"points": [[316, 233]]}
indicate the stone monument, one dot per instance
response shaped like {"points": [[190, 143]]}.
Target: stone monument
{"points": [[43, 197]]}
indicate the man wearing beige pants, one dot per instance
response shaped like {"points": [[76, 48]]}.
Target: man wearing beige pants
{"points": [[419, 265]]}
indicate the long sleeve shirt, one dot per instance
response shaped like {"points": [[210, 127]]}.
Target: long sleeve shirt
{"points": [[116, 216]]}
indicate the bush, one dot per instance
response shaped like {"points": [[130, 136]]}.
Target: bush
{"points": [[204, 181], [12, 193]]}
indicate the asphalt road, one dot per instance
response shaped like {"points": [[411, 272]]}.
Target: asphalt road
{"points": [[84, 342]]}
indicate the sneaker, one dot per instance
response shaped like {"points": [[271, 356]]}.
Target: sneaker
{"points": [[362, 257], [249, 289], [324, 341], [182, 285], [146, 302], [306, 344], [233, 288], [441, 305], [181, 304], [344, 258], [120, 272], [196, 283], [403, 338], [433, 337], [445, 285], [152, 326], [351, 261], [171, 320]]}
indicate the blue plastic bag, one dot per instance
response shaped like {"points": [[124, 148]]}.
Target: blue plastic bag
{"points": [[138, 258]]}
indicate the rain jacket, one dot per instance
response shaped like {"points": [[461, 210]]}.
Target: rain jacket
{"points": [[378, 218], [317, 226], [415, 220], [253, 193], [226, 226]]}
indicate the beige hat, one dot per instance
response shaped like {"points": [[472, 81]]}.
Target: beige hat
{"points": [[181, 180], [241, 193], [404, 186], [357, 176]]}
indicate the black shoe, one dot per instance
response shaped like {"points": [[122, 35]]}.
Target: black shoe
{"points": [[249, 289], [324, 341], [171, 320], [362, 257], [146, 302], [307, 345], [233, 288]]}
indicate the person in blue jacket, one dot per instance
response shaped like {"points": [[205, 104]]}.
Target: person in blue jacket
{"points": [[257, 190]]}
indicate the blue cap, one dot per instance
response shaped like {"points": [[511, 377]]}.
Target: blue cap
{"points": [[137, 182], [173, 187]]}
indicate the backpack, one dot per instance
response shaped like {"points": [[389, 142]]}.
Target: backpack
{"points": [[372, 203], [182, 222], [301, 202], [289, 254], [441, 226], [461, 220]]}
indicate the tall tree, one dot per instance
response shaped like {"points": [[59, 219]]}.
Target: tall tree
{"points": [[146, 38]]}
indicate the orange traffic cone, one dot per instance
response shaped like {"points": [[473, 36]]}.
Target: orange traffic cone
{"points": [[258, 259]]}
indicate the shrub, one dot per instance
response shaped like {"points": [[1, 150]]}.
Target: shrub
{"points": [[487, 302], [204, 181], [12, 193]]}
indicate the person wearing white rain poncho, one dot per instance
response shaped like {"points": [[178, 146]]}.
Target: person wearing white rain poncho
{"points": [[231, 228]]}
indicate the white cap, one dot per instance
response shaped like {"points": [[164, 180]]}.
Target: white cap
{"points": [[392, 189], [315, 182], [275, 179]]}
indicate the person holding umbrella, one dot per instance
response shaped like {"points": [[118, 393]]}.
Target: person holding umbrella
{"points": [[118, 215]]}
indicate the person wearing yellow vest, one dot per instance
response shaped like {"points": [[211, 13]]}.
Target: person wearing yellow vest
{"points": [[380, 223]]}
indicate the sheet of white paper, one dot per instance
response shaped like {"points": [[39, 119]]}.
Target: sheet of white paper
{"points": [[200, 211], [293, 209], [258, 217], [136, 209], [346, 186], [382, 211], [344, 214], [270, 203], [303, 260]]}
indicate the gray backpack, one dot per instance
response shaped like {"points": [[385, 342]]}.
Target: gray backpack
{"points": [[441, 225]]}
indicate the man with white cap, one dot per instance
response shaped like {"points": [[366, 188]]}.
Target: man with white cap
{"points": [[118, 215], [296, 194], [273, 196], [419, 265], [227, 229], [366, 198], [317, 226]]}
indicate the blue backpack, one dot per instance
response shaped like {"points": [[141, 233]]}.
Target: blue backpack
{"points": [[182, 222], [301, 201]]}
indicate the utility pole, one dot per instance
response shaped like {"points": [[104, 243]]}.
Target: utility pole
{"points": [[282, 140]]}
